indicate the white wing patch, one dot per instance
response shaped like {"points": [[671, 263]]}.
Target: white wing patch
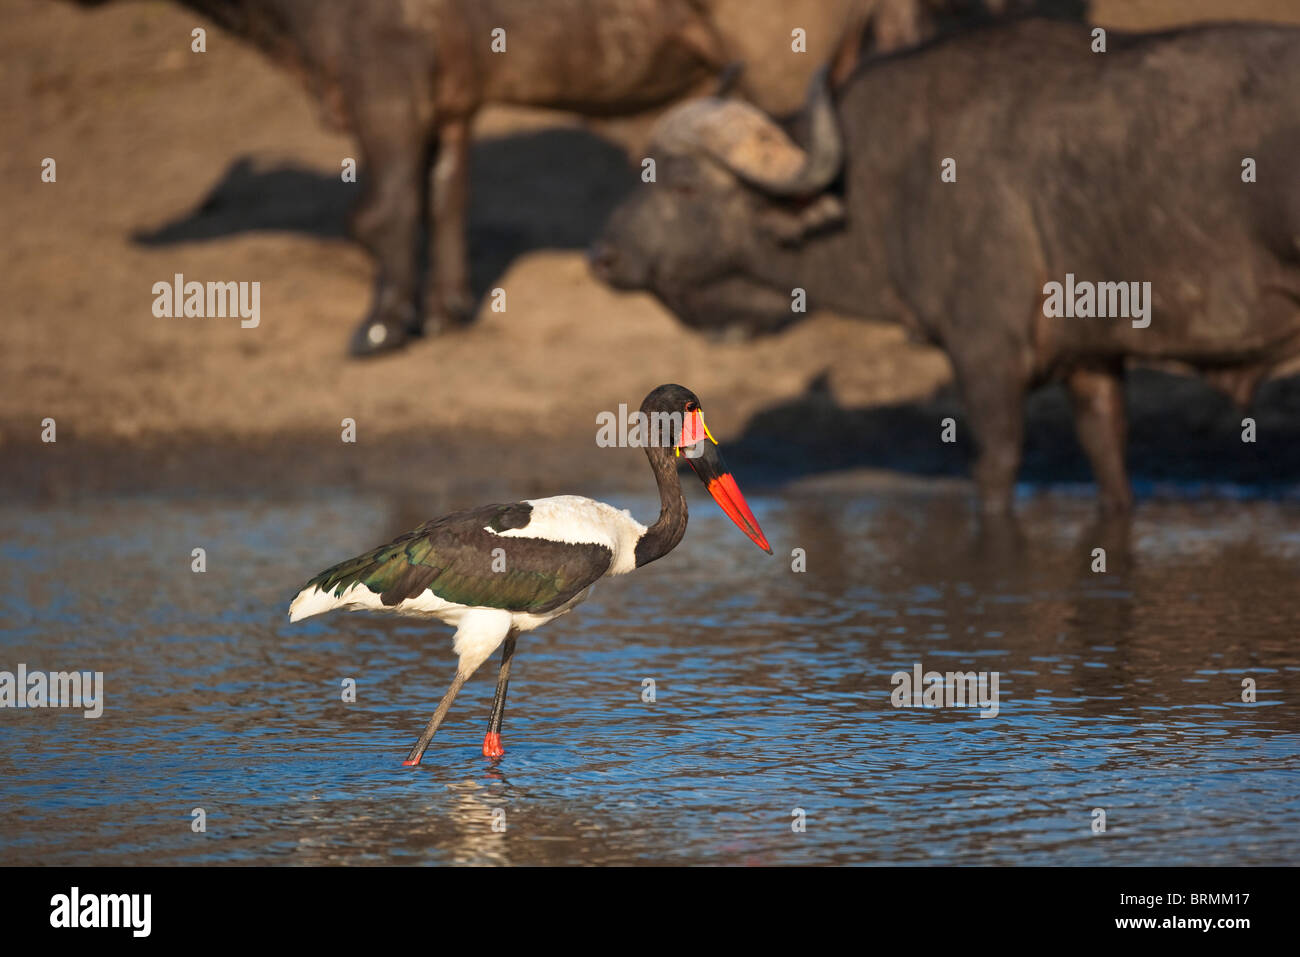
{"points": [[314, 601], [479, 631], [357, 597], [583, 521]]}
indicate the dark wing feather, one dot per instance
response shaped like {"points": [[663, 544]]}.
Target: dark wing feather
{"points": [[453, 557]]}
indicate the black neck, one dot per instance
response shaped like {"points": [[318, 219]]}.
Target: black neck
{"points": [[662, 537]]}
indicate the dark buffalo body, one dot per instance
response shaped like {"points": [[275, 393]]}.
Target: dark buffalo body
{"points": [[1123, 166], [408, 76]]}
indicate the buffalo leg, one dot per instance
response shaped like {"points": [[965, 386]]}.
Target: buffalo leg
{"points": [[1097, 393], [994, 397], [448, 301], [387, 221]]}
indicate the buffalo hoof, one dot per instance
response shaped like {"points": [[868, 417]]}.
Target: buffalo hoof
{"points": [[375, 336], [449, 314]]}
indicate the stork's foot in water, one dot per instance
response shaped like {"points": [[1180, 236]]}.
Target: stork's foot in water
{"points": [[492, 747], [417, 752]]}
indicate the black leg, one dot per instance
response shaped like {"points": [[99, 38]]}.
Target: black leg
{"points": [[386, 220], [417, 752], [993, 393], [447, 300], [492, 740]]}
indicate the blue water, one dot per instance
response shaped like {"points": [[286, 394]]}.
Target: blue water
{"points": [[1119, 691]]}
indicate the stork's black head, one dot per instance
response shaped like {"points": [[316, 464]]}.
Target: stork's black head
{"points": [[674, 413], [669, 398]]}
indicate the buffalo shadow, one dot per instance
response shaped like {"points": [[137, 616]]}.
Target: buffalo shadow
{"points": [[1182, 433], [552, 188]]}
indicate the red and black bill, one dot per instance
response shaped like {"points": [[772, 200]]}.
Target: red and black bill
{"points": [[707, 462]]}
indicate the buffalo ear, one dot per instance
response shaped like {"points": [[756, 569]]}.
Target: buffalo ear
{"points": [[791, 224]]}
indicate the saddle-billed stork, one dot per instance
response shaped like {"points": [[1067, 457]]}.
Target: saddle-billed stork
{"points": [[500, 570]]}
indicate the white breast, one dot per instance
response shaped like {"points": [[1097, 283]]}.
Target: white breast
{"points": [[584, 521]]}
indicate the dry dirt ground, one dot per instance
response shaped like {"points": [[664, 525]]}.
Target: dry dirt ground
{"points": [[215, 166]]}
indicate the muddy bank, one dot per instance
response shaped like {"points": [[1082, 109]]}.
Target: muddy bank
{"points": [[1184, 438], [215, 167]]}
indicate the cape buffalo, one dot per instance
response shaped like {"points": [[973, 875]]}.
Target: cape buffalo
{"points": [[408, 76], [969, 187]]}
